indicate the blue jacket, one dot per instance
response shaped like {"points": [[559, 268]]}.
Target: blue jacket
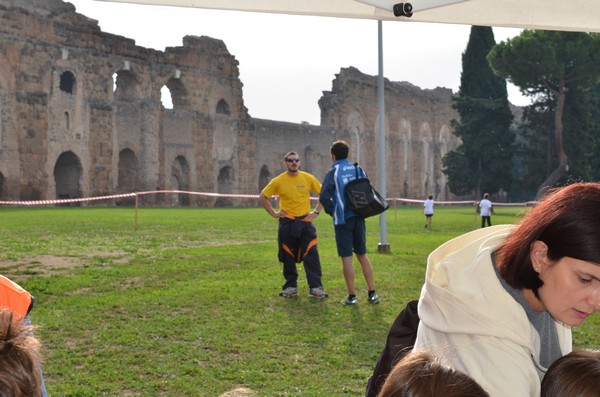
{"points": [[332, 195]]}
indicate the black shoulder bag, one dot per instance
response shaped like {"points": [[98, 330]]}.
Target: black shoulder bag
{"points": [[363, 198]]}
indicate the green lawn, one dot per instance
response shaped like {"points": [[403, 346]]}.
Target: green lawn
{"points": [[186, 304]]}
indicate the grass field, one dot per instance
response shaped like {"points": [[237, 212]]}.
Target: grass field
{"points": [[186, 304]]}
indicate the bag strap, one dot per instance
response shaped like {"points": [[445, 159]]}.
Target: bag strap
{"points": [[356, 170]]}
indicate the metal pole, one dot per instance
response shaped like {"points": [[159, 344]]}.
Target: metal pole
{"points": [[135, 225], [383, 246]]}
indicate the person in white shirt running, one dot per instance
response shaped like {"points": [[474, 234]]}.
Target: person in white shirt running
{"points": [[428, 204]]}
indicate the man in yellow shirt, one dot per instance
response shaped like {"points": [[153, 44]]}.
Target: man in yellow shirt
{"points": [[297, 236]]}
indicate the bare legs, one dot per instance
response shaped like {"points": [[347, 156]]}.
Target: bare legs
{"points": [[367, 270]]}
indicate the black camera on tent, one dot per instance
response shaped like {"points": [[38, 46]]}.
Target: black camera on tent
{"points": [[403, 10]]}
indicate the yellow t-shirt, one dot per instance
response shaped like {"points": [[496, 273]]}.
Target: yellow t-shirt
{"points": [[293, 191]]}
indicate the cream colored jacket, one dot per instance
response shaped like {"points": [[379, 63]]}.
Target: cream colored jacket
{"points": [[469, 319]]}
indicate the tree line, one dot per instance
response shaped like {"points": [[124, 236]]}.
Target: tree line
{"points": [[556, 142]]}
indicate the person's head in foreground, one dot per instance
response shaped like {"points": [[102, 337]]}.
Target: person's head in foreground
{"points": [[20, 358], [421, 374], [576, 374], [554, 254]]}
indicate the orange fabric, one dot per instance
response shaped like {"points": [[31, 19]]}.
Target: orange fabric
{"points": [[287, 249], [310, 245], [14, 298]]}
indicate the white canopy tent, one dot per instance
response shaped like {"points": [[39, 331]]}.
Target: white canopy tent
{"points": [[573, 15]]}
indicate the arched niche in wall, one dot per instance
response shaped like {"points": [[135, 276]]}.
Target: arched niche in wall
{"points": [[180, 179], [406, 154], [427, 154], [67, 121], [128, 175], [443, 144], [264, 177], [356, 126], [67, 176], [223, 108], [225, 183]]}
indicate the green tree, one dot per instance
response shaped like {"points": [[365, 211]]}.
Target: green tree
{"points": [[546, 65], [483, 160], [532, 155], [536, 154], [594, 105]]}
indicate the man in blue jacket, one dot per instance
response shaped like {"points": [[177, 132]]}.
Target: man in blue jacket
{"points": [[350, 232]]}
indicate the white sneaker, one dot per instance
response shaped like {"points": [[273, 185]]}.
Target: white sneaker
{"points": [[289, 292], [318, 293]]}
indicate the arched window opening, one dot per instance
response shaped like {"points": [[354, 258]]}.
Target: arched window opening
{"points": [[166, 98], [67, 82], [1, 185], [223, 108], [178, 93]]}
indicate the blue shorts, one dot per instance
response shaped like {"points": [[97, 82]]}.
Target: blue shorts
{"points": [[351, 237]]}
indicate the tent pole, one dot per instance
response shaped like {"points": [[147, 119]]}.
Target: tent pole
{"points": [[383, 246]]}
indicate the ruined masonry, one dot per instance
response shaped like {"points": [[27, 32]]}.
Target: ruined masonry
{"points": [[81, 115]]}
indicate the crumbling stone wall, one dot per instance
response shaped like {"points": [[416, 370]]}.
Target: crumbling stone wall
{"points": [[79, 105], [81, 115], [417, 131], [276, 138]]}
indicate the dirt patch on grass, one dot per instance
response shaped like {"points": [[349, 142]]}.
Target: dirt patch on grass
{"points": [[47, 265]]}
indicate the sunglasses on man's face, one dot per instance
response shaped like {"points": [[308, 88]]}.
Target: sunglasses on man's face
{"points": [[292, 160]]}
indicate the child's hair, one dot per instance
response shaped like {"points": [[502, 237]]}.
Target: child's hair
{"points": [[20, 359], [420, 374], [576, 374]]}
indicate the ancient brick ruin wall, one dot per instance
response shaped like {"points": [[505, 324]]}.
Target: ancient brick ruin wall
{"points": [[417, 131], [81, 115], [67, 132], [275, 138]]}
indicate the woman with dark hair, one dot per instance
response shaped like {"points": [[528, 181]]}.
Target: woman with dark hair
{"points": [[498, 303], [576, 374], [420, 374]]}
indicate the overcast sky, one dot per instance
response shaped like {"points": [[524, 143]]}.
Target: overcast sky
{"points": [[286, 62]]}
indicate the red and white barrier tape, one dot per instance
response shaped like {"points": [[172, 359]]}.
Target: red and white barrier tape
{"points": [[64, 201], [251, 196], [124, 195], [470, 202]]}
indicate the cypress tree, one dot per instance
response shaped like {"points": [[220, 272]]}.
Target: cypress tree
{"points": [[483, 162]]}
